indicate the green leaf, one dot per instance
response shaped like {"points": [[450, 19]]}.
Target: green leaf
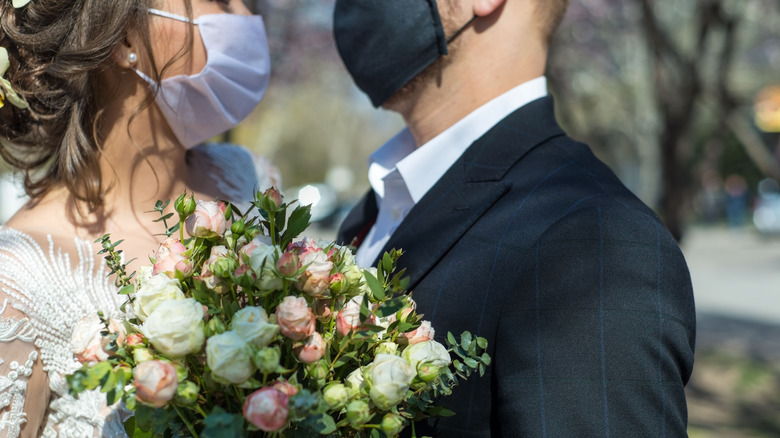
{"points": [[298, 222], [482, 343], [390, 307], [364, 313], [126, 290], [376, 288], [387, 263], [439, 411], [465, 340], [325, 424], [451, 339], [485, 359], [471, 363], [221, 424]]}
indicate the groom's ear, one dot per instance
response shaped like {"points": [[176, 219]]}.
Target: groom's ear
{"points": [[483, 8]]}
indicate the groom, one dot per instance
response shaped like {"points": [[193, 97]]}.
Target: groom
{"points": [[514, 231]]}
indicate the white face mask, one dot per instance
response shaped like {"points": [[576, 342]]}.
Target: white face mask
{"points": [[229, 87]]}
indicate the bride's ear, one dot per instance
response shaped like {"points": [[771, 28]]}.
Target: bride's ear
{"points": [[125, 55]]}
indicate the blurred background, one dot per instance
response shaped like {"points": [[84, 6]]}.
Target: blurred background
{"points": [[680, 97]]}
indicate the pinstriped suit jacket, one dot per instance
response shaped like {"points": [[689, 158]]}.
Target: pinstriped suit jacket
{"points": [[585, 298]]}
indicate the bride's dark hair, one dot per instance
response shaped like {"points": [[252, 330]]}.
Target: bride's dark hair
{"points": [[57, 50]]}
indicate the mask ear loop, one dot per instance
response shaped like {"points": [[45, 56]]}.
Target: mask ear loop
{"points": [[170, 15], [459, 31]]}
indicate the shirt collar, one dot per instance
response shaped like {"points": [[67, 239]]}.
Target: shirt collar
{"points": [[422, 167]]}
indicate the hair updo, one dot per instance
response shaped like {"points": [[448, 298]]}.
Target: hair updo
{"points": [[57, 49]]}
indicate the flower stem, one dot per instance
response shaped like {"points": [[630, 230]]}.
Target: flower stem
{"points": [[181, 231], [186, 422]]}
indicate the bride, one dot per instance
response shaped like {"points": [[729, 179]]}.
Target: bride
{"points": [[102, 106]]}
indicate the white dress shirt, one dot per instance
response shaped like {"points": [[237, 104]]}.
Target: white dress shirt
{"points": [[401, 173]]}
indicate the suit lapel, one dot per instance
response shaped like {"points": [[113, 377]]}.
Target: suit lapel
{"points": [[468, 189]]}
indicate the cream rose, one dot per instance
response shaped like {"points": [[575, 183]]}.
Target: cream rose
{"points": [[390, 378], [227, 355], [295, 318], [428, 352], [87, 342], [175, 328], [252, 325], [155, 382], [423, 333], [208, 219], [154, 291]]}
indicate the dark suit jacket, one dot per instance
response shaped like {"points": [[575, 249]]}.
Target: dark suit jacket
{"points": [[584, 296]]}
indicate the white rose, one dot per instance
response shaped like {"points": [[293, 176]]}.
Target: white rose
{"points": [[390, 377], [86, 341], [355, 383], [251, 323], [175, 328], [428, 352], [154, 291], [262, 252], [144, 274], [228, 357]]}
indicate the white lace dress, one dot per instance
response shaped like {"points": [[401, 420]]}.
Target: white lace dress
{"points": [[45, 291]]}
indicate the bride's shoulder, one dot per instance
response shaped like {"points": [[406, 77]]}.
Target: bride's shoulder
{"points": [[235, 170]]}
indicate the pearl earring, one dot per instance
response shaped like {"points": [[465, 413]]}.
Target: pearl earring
{"points": [[132, 58]]}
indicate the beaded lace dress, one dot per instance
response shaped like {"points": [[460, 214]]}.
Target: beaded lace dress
{"points": [[45, 291]]}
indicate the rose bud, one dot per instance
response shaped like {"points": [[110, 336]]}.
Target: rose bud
{"points": [[169, 258], [358, 413], [295, 318], [348, 319], [422, 334], [386, 348], [338, 283], [142, 355], [135, 340], [267, 409], [270, 200], [187, 393], [390, 378], [208, 220], [428, 373], [215, 326], [312, 350], [392, 424], [286, 388], [267, 360], [155, 382], [184, 206], [335, 396], [207, 275], [318, 370], [288, 264], [238, 227]]}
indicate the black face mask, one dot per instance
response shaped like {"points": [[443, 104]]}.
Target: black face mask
{"points": [[386, 43]]}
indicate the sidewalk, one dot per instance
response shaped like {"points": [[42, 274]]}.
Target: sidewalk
{"points": [[735, 273]]}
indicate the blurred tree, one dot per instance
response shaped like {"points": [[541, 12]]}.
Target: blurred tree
{"points": [[662, 84]]}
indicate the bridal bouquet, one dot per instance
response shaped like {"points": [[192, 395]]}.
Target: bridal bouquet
{"points": [[243, 329]]}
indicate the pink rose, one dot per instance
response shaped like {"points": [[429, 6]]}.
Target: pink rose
{"points": [[287, 388], [155, 382], [267, 409], [135, 340], [348, 318], [208, 277], [315, 280], [312, 350], [423, 333], [295, 318], [338, 283], [169, 259], [288, 264], [87, 342], [208, 220]]}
